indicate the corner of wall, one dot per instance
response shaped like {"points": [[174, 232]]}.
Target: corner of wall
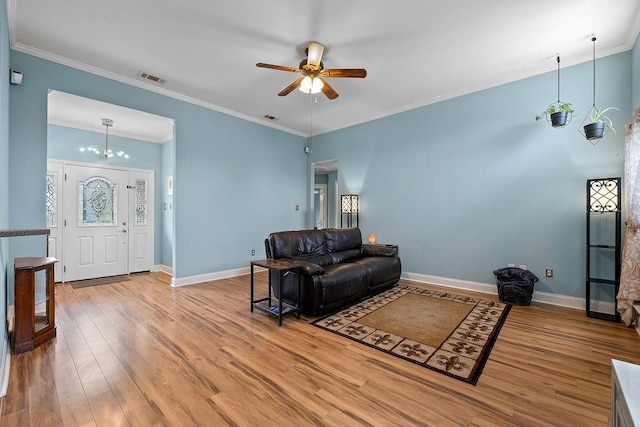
{"points": [[635, 74]]}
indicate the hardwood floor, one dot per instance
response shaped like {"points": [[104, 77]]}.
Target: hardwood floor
{"points": [[142, 353]]}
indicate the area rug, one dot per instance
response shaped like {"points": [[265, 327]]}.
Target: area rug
{"points": [[99, 281], [448, 333]]}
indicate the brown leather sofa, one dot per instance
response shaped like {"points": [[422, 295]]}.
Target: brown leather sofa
{"points": [[336, 268]]}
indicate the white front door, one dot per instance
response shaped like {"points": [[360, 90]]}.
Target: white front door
{"points": [[95, 222]]}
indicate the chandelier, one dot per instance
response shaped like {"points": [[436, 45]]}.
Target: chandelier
{"points": [[107, 152]]}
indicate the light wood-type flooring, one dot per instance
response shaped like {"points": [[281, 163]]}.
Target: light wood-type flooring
{"points": [[144, 354]]}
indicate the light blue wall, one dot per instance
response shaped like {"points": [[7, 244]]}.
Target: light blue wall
{"points": [[235, 181], [4, 164], [321, 178], [471, 184], [63, 143]]}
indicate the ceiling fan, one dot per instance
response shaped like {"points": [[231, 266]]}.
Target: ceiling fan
{"points": [[314, 73]]}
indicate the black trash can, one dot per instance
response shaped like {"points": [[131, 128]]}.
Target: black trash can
{"points": [[515, 285]]}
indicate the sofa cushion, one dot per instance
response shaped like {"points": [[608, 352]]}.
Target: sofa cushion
{"points": [[321, 260], [343, 281], [380, 269], [342, 256], [342, 239], [303, 244]]}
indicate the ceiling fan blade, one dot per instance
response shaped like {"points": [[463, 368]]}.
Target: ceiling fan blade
{"points": [[328, 90], [293, 86], [345, 72], [314, 54], [278, 67]]}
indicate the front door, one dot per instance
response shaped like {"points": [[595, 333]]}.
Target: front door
{"points": [[95, 222]]}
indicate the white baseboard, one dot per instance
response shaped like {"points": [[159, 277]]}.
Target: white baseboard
{"points": [[192, 280], [542, 297], [467, 285], [486, 288], [5, 368], [163, 268]]}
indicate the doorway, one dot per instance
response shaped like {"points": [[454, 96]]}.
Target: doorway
{"points": [[103, 225], [325, 190], [321, 208], [76, 136]]}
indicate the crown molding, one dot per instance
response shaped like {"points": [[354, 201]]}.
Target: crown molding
{"points": [[635, 30], [488, 85], [144, 85]]}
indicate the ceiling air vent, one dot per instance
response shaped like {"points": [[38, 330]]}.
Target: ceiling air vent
{"points": [[151, 77], [270, 117]]}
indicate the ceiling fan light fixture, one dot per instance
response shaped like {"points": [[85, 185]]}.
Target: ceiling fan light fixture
{"points": [[317, 85], [314, 55], [306, 84], [314, 74], [311, 85]]}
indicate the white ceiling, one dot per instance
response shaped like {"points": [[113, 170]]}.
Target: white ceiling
{"points": [[64, 109], [416, 52]]}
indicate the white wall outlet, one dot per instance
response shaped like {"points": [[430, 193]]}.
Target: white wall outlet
{"points": [[523, 266], [253, 252], [511, 265], [548, 272]]}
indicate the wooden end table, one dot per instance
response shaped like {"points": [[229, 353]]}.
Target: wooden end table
{"points": [[34, 303], [282, 309]]}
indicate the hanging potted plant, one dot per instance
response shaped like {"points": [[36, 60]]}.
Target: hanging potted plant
{"points": [[597, 123], [557, 113]]}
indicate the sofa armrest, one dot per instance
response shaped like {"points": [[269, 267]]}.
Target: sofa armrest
{"points": [[379, 250], [309, 268]]}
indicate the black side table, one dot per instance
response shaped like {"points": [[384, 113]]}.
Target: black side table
{"points": [[282, 309]]}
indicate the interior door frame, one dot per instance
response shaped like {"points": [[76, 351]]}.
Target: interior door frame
{"points": [[59, 243]]}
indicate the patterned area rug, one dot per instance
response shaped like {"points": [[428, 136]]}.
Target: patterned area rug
{"points": [[448, 333]]}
